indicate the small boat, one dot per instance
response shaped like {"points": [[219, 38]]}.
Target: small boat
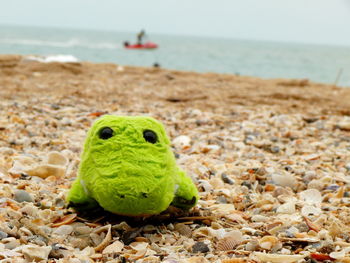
{"points": [[147, 45]]}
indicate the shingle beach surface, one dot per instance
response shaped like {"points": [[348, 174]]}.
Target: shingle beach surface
{"points": [[270, 159]]}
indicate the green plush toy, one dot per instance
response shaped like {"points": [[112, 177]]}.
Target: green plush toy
{"points": [[128, 168]]}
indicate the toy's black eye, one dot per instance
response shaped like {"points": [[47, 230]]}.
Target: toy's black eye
{"points": [[150, 136], [106, 133]]}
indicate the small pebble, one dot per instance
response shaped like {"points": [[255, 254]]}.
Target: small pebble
{"points": [[200, 247], [226, 179], [22, 196], [3, 235]]}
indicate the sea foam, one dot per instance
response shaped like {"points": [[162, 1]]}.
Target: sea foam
{"points": [[52, 58]]}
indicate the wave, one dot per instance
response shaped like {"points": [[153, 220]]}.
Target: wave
{"points": [[66, 44], [53, 58]]}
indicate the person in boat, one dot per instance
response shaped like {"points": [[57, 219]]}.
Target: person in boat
{"points": [[140, 35]]}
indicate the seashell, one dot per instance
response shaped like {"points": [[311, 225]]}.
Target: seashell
{"points": [[338, 254], [10, 242], [311, 196], [139, 245], [56, 158], [107, 238], [285, 180], [46, 170], [300, 239], [309, 210], [270, 242], [9, 254], [21, 164], [230, 241], [312, 157], [344, 125], [82, 230], [252, 245], [67, 219], [226, 244], [24, 160], [96, 239], [223, 208], [182, 142], [139, 254], [115, 247], [312, 225], [23, 231], [125, 227], [35, 253], [316, 184], [6, 151], [340, 192], [183, 229], [287, 208], [63, 230], [236, 234], [278, 258]]}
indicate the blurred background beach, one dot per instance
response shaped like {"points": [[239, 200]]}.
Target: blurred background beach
{"points": [[265, 59], [291, 40]]}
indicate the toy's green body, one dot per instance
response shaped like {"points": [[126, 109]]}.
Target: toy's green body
{"points": [[128, 168]]}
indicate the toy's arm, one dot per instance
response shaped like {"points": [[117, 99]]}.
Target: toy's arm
{"points": [[78, 197], [186, 195]]}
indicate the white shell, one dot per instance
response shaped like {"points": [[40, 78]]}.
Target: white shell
{"points": [[287, 208], [311, 196], [308, 210], [46, 170], [36, 253], [182, 141], [286, 180], [115, 247]]}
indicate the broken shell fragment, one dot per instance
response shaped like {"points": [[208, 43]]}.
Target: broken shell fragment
{"points": [[277, 258], [56, 158], [105, 242], [46, 170], [311, 197], [115, 247]]}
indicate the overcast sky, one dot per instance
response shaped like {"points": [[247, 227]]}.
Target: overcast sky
{"points": [[309, 21]]}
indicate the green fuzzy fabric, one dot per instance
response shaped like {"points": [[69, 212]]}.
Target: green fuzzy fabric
{"points": [[127, 175]]}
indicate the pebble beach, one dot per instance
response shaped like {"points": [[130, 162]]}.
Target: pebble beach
{"points": [[270, 159]]}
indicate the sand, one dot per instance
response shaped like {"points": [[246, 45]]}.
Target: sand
{"points": [[270, 159]]}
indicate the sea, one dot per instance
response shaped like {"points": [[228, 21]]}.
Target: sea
{"points": [[319, 63]]}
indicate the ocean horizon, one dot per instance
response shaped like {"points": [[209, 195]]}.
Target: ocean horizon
{"points": [[319, 63]]}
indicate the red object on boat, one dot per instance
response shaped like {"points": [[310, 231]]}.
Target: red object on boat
{"points": [[147, 45]]}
